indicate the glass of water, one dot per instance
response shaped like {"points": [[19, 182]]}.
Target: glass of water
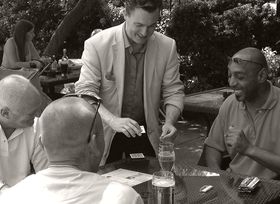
{"points": [[166, 156], [163, 187]]}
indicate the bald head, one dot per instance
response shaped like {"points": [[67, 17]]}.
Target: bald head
{"points": [[18, 93], [253, 55], [19, 101], [247, 75], [65, 126]]}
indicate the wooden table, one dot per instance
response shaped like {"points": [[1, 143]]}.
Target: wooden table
{"points": [[50, 82], [190, 178], [206, 103]]}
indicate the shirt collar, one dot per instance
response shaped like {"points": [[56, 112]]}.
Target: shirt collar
{"points": [[270, 101], [16, 133], [125, 38]]}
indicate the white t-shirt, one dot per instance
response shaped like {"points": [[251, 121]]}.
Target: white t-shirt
{"points": [[67, 185]]}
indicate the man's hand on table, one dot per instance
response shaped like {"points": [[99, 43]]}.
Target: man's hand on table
{"points": [[126, 126]]}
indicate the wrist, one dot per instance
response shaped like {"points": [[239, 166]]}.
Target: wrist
{"points": [[249, 151], [169, 122], [111, 120]]}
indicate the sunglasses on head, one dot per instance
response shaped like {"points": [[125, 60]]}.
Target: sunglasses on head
{"points": [[241, 61], [93, 100]]}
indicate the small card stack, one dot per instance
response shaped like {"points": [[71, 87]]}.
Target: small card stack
{"points": [[248, 184]]}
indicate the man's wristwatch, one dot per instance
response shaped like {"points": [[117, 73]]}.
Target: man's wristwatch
{"points": [[2, 185]]}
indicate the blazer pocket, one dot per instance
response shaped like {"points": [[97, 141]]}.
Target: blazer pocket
{"points": [[110, 76], [108, 85]]}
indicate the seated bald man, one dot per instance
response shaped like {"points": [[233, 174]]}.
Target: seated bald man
{"points": [[66, 126], [247, 126], [19, 140]]}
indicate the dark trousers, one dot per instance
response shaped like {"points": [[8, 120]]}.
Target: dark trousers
{"points": [[122, 144]]}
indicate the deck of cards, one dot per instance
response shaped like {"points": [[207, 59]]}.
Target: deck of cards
{"points": [[248, 184], [142, 129]]}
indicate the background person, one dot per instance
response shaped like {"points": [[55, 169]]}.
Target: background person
{"points": [[19, 140], [95, 31], [132, 68], [64, 181], [247, 126], [19, 50]]}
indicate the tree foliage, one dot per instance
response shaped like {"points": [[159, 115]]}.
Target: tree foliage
{"points": [[46, 16], [206, 35], [206, 31]]}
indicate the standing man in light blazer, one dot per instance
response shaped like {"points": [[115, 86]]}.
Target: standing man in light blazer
{"points": [[131, 68]]}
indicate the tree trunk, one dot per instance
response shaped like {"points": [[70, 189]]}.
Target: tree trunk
{"points": [[63, 30]]}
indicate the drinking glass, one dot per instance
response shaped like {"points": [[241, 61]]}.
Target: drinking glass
{"points": [[163, 187], [166, 156]]}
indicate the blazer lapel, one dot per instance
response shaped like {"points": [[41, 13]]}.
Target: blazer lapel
{"points": [[150, 63], [119, 63]]}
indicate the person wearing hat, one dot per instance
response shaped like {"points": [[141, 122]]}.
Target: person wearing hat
{"points": [[247, 126]]}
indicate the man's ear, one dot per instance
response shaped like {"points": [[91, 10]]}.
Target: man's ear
{"points": [[262, 76], [5, 112]]}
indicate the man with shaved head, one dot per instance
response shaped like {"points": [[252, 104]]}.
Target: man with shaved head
{"points": [[68, 127], [247, 126], [19, 140]]}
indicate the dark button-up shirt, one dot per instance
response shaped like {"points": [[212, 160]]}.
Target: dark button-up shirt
{"points": [[133, 106]]}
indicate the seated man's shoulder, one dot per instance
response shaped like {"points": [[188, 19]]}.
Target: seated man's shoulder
{"points": [[118, 193], [230, 102], [21, 190]]}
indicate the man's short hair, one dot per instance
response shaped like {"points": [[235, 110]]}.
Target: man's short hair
{"points": [[147, 5]]}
